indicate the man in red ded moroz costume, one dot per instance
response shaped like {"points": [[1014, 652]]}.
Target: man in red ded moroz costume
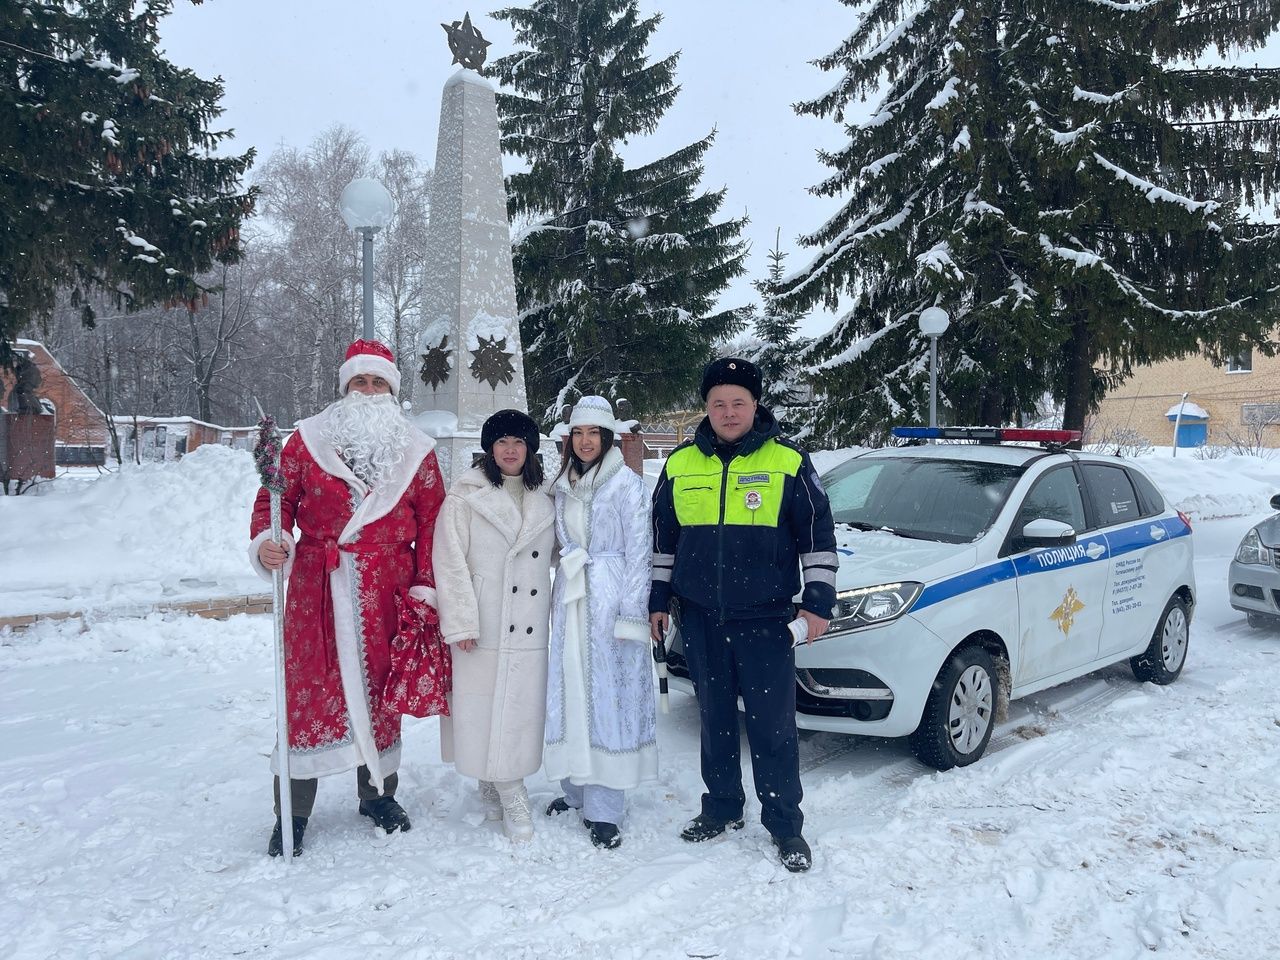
{"points": [[363, 489]]}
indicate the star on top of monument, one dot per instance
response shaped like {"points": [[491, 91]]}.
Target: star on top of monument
{"points": [[466, 44]]}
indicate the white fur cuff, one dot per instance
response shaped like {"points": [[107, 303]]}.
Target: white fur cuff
{"points": [[258, 541], [627, 629], [426, 594]]}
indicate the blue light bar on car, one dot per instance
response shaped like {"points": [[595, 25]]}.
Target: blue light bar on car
{"points": [[986, 434]]}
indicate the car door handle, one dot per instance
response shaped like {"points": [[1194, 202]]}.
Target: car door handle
{"points": [[1095, 550], [1157, 532]]}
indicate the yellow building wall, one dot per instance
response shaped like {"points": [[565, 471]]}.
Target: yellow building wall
{"points": [[1140, 403]]}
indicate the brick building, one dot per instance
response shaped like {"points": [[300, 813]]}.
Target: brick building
{"points": [[1238, 400], [81, 432], [168, 438]]}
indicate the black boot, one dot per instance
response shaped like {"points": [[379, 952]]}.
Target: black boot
{"points": [[703, 827], [275, 846], [386, 813], [604, 835], [557, 806], [794, 853]]}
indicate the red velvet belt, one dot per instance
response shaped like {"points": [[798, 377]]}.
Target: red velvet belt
{"points": [[331, 548]]}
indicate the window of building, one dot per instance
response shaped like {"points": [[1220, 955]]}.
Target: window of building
{"points": [[1242, 362]]}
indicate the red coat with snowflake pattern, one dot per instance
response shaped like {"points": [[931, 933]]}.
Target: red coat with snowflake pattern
{"points": [[354, 549]]}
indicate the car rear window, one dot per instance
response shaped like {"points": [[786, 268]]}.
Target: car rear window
{"points": [[1152, 502], [954, 501], [1113, 496]]}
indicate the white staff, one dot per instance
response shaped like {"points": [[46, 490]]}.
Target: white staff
{"points": [[266, 454]]}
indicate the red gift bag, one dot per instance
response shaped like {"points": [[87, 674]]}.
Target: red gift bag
{"points": [[421, 673]]}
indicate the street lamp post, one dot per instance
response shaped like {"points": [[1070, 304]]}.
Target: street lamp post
{"points": [[933, 324], [368, 207]]}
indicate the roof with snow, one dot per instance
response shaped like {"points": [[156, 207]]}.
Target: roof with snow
{"points": [[1189, 411]]}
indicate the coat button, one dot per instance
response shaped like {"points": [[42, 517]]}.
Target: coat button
{"points": [[515, 589], [533, 592], [535, 554], [511, 629], [529, 630]]}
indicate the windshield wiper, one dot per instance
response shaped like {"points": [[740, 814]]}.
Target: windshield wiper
{"points": [[859, 525]]}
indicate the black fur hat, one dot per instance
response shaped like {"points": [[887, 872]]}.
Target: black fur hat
{"points": [[734, 371], [509, 423]]}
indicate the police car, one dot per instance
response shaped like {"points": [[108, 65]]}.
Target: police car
{"points": [[974, 572]]}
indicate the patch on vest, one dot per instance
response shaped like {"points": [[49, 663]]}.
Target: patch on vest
{"points": [[753, 478]]}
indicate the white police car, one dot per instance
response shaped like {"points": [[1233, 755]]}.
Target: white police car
{"points": [[971, 572]]}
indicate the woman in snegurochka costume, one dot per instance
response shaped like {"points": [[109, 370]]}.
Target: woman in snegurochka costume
{"points": [[493, 548], [601, 718]]}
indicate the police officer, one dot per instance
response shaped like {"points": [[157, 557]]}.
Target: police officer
{"points": [[738, 516]]}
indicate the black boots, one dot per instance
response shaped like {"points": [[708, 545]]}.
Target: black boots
{"points": [[794, 853], [275, 847], [386, 813], [703, 827], [603, 835], [557, 806]]}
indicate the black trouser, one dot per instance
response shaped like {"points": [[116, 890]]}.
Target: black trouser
{"points": [[302, 793], [754, 659]]}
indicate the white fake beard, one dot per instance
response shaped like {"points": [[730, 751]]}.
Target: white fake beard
{"points": [[371, 433]]}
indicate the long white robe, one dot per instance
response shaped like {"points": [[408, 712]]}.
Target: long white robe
{"points": [[601, 725]]}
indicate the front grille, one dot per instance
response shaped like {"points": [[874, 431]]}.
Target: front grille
{"points": [[1275, 598]]}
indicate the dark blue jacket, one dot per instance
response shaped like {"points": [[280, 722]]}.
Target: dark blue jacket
{"points": [[734, 527]]}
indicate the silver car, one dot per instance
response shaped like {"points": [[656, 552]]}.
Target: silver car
{"points": [[1254, 582]]}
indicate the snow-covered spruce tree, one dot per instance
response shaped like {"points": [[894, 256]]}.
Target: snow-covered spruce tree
{"points": [[1009, 174], [934, 198], [775, 326], [618, 273], [106, 179], [1141, 160]]}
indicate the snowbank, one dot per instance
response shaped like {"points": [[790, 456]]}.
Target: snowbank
{"points": [[155, 532]]}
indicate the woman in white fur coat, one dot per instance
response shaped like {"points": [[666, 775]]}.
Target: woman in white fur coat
{"points": [[601, 735], [493, 547]]}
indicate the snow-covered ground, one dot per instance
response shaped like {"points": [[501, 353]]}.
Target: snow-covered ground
{"points": [[1110, 820]]}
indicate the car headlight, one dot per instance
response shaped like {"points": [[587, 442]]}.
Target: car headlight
{"points": [[1252, 551], [869, 606]]}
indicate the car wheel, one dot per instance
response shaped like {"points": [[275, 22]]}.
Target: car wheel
{"points": [[1162, 661], [960, 712]]}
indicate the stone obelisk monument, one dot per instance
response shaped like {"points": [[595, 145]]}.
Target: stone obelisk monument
{"points": [[470, 361]]}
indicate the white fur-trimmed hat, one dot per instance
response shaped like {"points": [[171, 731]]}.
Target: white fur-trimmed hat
{"points": [[371, 358], [593, 411]]}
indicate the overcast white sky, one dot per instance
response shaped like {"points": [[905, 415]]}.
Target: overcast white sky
{"points": [[293, 68]]}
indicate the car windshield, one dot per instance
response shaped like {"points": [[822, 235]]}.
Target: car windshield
{"points": [[954, 501]]}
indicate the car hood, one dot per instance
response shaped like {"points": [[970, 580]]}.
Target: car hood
{"points": [[1269, 531], [873, 557]]}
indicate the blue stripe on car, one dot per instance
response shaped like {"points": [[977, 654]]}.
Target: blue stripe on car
{"points": [[1124, 540]]}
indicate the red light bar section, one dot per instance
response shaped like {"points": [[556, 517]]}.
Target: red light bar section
{"points": [[1040, 436]]}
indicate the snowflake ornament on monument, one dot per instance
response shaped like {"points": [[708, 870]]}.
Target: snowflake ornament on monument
{"points": [[437, 364], [491, 361]]}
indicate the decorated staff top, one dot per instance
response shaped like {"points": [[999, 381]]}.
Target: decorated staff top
{"points": [[466, 44], [266, 455]]}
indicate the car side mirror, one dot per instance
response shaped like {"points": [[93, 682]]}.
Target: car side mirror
{"points": [[1275, 502], [1043, 532]]}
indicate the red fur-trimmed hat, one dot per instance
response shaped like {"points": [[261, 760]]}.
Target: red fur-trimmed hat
{"points": [[371, 358]]}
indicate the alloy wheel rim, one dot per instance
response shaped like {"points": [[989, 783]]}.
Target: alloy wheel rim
{"points": [[972, 701], [1173, 639]]}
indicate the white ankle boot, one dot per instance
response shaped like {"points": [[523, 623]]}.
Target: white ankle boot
{"points": [[517, 821], [492, 802]]}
